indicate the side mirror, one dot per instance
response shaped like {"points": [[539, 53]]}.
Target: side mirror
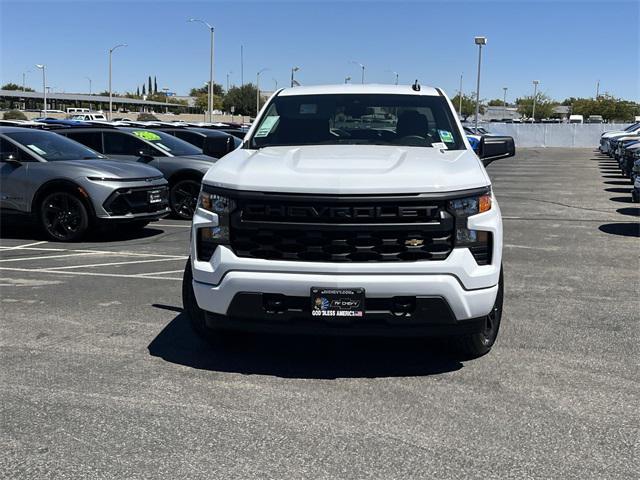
{"points": [[493, 148], [10, 159], [218, 146], [146, 155]]}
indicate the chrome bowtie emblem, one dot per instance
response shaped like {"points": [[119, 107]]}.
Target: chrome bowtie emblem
{"points": [[414, 242]]}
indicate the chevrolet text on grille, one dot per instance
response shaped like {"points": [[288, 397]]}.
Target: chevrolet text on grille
{"points": [[293, 211]]}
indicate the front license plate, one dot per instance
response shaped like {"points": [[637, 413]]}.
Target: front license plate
{"points": [[155, 196], [337, 302]]}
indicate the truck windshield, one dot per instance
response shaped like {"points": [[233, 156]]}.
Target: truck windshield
{"points": [[53, 147], [358, 119]]}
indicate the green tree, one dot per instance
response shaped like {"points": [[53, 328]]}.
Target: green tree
{"points": [[242, 98], [15, 86], [544, 106], [155, 85], [144, 91], [468, 105], [204, 90], [138, 92], [14, 115], [610, 107], [202, 102], [150, 89], [496, 102]]}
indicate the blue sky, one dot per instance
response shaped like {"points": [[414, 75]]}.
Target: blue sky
{"points": [[567, 45]]}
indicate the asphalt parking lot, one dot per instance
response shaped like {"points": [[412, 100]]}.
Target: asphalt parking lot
{"points": [[102, 377]]}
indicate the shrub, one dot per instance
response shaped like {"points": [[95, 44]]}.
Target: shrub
{"points": [[146, 117], [15, 115]]}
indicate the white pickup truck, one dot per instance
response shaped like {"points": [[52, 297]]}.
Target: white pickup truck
{"points": [[351, 210]]}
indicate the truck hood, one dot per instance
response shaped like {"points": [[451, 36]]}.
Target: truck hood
{"points": [[108, 168], [348, 169]]}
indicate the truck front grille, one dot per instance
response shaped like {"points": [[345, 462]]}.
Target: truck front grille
{"points": [[341, 228]]}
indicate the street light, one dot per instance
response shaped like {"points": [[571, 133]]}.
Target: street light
{"points": [[361, 66], [460, 97], [228, 73], [258, 90], [166, 99], [535, 94], [480, 41], [396, 74], [504, 102], [211, 29], [275, 80], [347, 80], [110, 92], [293, 70], [44, 88], [89, 84], [24, 77]]}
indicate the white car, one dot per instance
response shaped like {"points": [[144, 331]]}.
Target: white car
{"points": [[613, 134], [88, 117], [326, 221]]}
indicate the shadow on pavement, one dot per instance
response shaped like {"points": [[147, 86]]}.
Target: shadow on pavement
{"points": [[290, 356], [617, 182], [633, 211], [622, 229], [618, 190], [19, 229], [621, 199]]}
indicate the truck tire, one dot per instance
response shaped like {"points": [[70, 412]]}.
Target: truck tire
{"points": [[190, 306], [478, 344]]}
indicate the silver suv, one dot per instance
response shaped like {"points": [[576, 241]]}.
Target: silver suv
{"points": [[68, 188]]}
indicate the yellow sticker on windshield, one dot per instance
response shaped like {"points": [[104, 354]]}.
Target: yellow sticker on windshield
{"points": [[147, 135]]}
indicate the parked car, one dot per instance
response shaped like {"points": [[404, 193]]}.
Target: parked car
{"points": [[595, 119], [87, 117], [182, 164], [604, 146], [630, 154], [67, 188], [197, 136], [322, 223], [635, 192], [576, 119]]}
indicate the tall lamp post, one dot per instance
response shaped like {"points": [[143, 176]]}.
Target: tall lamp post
{"points": [[24, 80], [110, 91], [504, 102], [480, 41], [535, 95], [211, 29], [89, 84], [293, 71], [228, 73], [347, 80], [166, 99], [460, 97], [44, 87], [362, 67], [258, 90]]}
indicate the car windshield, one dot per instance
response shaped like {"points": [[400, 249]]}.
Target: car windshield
{"points": [[358, 119], [168, 143], [53, 147]]}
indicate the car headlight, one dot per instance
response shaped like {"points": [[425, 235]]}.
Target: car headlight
{"points": [[479, 242], [222, 206]]}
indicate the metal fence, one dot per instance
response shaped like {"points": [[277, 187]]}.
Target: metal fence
{"points": [[554, 134]]}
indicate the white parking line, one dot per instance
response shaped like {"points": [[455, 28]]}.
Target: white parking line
{"points": [[106, 252], [93, 274], [46, 257], [71, 267], [17, 247], [167, 225], [161, 273]]}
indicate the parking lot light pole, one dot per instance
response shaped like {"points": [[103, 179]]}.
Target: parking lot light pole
{"points": [[535, 95], [460, 97], [44, 88], [347, 80], [362, 67], [211, 29], [89, 84], [228, 73], [258, 90], [293, 71], [166, 99], [480, 41], [110, 91], [504, 102]]}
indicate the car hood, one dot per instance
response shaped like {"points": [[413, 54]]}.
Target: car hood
{"points": [[109, 168], [616, 134], [348, 169]]}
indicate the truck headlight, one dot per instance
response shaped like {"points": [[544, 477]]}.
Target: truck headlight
{"points": [[479, 242], [209, 237]]}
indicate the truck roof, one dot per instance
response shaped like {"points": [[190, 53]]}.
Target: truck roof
{"points": [[352, 88]]}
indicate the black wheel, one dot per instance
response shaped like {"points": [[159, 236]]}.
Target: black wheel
{"points": [[183, 198], [63, 216], [477, 344]]}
